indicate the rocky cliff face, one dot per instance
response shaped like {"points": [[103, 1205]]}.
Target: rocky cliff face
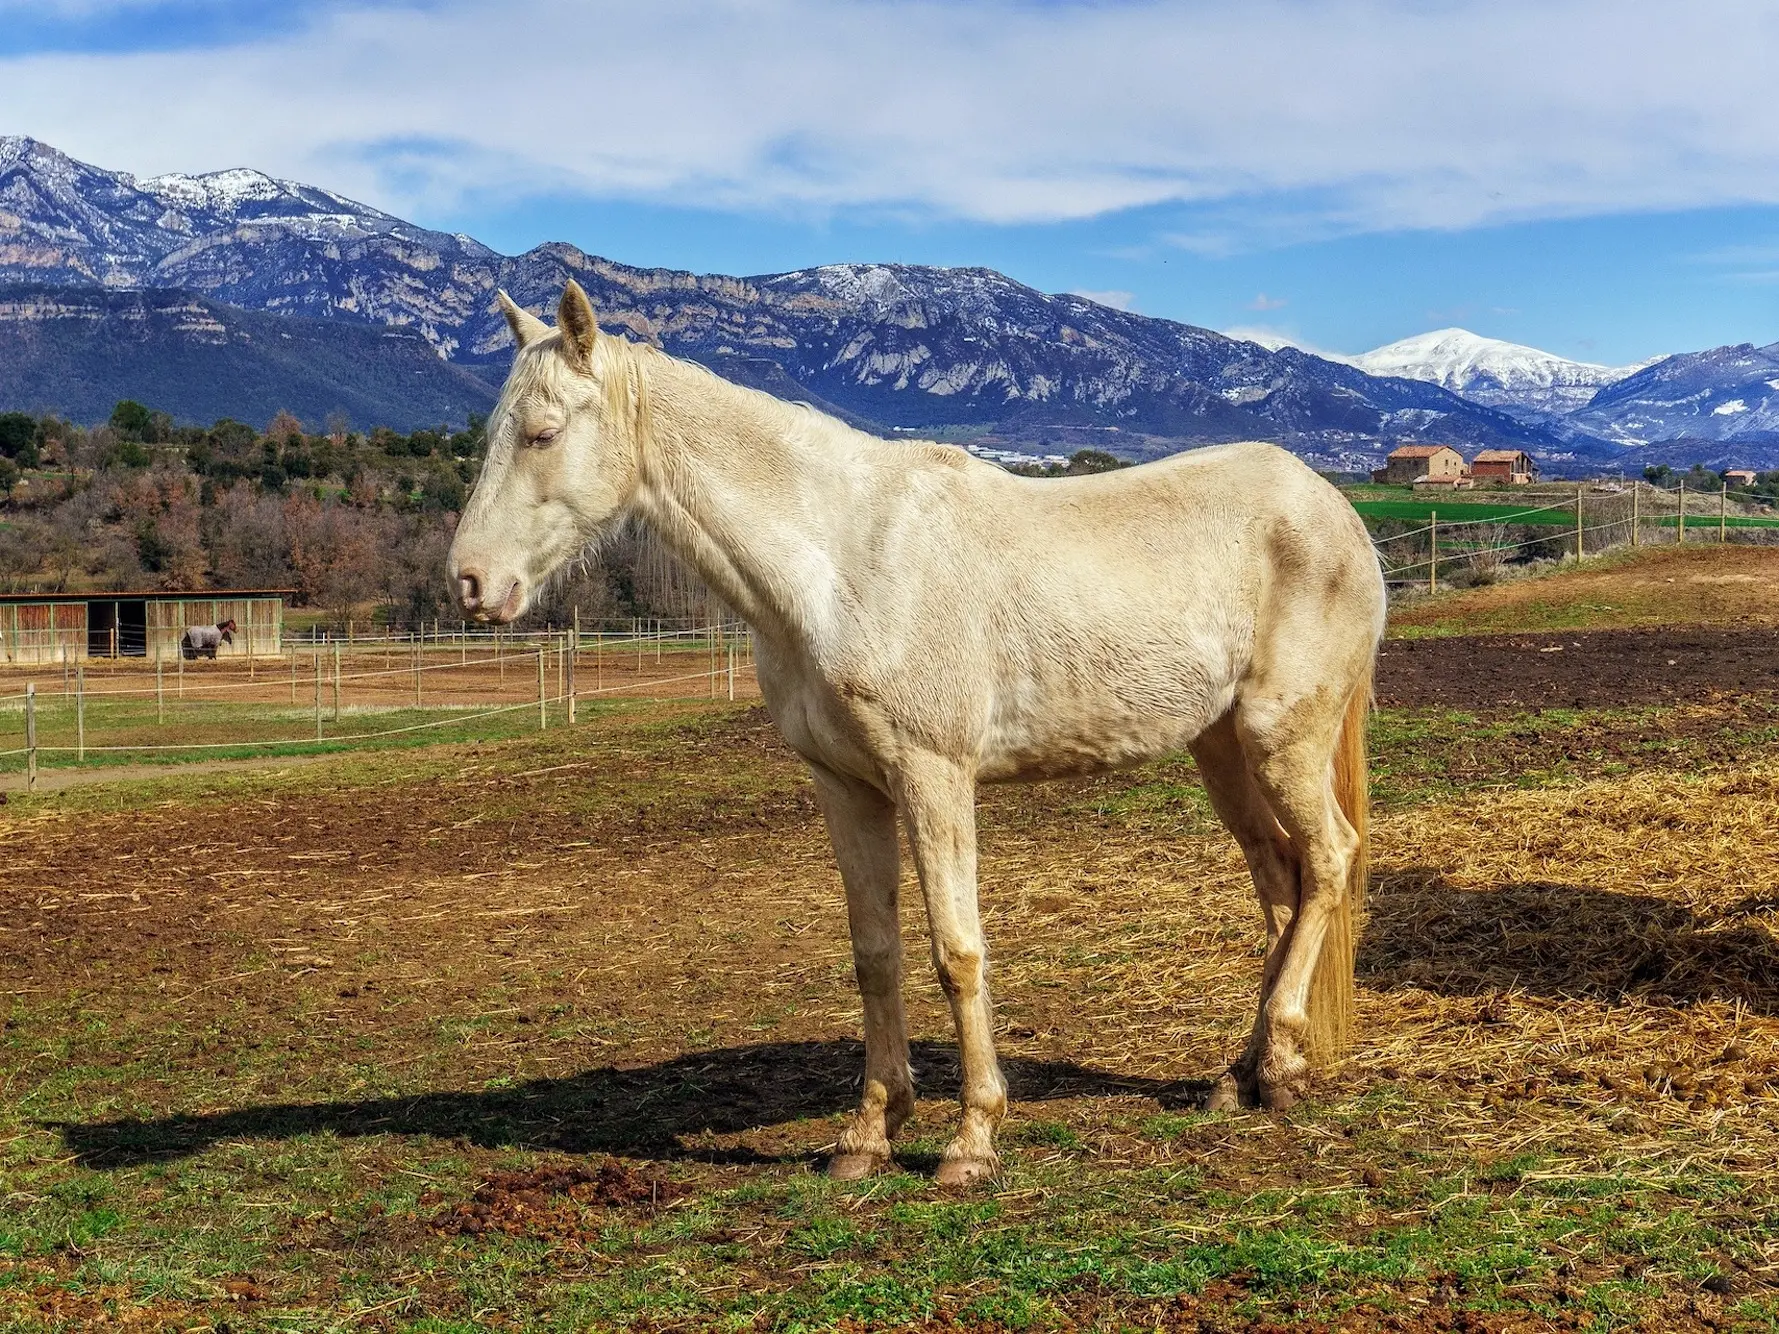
{"points": [[891, 346]]}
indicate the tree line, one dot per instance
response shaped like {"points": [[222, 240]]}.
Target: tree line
{"points": [[342, 518]]}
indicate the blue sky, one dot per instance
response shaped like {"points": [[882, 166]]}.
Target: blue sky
{"points": [[1596, 177]]}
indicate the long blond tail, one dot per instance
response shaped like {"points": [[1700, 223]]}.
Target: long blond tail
{"points": [[1331, 986]]}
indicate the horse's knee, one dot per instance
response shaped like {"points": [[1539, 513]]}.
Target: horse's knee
{"points": [[878, 968], [960, 970]]}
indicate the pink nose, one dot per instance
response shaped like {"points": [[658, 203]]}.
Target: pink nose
{"points": [[469, 590]]}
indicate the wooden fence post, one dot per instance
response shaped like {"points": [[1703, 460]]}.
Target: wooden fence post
{"points": [[293, 676], [1433, 552], [543, 717], [729, 642], [419, 650], [571, 657], [1635, 488], [336, 681], [1578, 530], [80, 713], [31, 736], [160, 694], [1723, 515], [318, 693], [1681, 519]]}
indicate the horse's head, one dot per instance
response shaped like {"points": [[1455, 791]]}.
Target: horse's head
{"points": [[562, 457], [228, 633]]}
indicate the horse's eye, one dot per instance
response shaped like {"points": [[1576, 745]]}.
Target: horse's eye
{"points": [[544, 436]]}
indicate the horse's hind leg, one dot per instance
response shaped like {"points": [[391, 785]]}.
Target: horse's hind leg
{"points": [[938, 801], [1244, 810], [862, 828], [1290, 746]]}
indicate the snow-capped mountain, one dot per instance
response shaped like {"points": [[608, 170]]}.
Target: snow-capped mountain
{"points": [[1729, 394], [1488, 370], [895, 347]]}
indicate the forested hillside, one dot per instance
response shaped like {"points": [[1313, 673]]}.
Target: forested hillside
{"points": [[355, 523]]}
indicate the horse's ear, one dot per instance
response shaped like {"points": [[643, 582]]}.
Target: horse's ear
{"points": [[526, 327], [577, 324]]}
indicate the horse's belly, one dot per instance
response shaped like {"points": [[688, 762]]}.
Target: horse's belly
{"points": [[1092, 735]]}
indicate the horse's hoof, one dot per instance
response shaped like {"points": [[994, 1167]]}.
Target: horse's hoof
{"points": [[1226, 1096], [1278, 1097], [962, 1173], [856, 1166]]}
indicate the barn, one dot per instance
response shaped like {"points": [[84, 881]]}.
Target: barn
{"points": [[1513, 466], [67, 627]]}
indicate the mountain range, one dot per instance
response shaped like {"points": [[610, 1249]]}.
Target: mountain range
{"points": [[892, 348]]}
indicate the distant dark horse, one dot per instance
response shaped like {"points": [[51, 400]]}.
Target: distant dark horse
{"points": [[201, 641]]}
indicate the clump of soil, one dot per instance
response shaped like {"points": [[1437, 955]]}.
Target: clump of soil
{"points": [[552, 1201]]}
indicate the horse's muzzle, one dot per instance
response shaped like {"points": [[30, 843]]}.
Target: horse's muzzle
{"points": [[472, 589]]}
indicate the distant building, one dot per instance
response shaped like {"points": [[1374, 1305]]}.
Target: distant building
{"points": [[67, 627], [1513, 466], [1440, 465], [1741, 478]]}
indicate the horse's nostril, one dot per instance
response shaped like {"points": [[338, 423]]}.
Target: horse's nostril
{"points": [[469, 589]]}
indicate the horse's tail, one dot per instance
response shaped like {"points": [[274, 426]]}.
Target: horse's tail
{"points": [[1331, 986]]}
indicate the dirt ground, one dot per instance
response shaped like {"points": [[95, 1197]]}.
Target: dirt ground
{"points": [[376, 677], [446, 1033], [1579, 669]]}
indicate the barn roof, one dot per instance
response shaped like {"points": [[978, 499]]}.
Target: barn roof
{"points": [[152, 595], [1419, 451], [1500, 455]]}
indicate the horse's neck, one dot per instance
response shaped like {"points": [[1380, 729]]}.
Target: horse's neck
{"points": [[746, 492]]}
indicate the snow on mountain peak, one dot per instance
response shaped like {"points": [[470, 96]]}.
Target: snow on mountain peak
{"points": [[1491, 371], [216, 191]]}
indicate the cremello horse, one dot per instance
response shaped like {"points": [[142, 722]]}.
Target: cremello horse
{"points": [[924, 622]]}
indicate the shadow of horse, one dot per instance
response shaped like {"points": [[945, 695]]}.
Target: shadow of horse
{"points": [[1543, 938], [644, 1112], [1567, 942]]}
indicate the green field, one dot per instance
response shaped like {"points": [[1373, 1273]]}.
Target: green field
{"points": [[1455, 509]]}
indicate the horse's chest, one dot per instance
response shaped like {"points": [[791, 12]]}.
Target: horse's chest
{"points": [[820, 723]]}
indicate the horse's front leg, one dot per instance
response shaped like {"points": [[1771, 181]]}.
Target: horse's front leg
{"points": [[862, 827], [938, 800]]}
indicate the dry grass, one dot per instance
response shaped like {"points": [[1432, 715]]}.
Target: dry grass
{"points": [[1702, 585]]}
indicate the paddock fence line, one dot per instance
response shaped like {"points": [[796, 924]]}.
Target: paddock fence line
{"points": [[330, 688], [1640, 515]]}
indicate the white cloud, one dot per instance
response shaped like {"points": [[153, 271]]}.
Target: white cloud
{"points": [[1265, 302], [1346, 115], [1116, 299]]}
